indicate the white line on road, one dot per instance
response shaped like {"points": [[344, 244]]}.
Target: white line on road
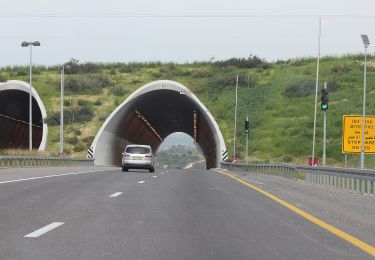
{"points": [[114, 195], [154, 176], [49, 176], [141, 182], [45, 229]]}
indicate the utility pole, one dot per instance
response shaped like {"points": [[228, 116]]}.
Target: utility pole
{"points": [[235, 122], [366, 43], [62, 113], [316, 91]]}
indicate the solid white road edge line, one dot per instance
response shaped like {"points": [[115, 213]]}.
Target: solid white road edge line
{"points": [[44, 230], [141, 182], [114, 195], [49, 176]]}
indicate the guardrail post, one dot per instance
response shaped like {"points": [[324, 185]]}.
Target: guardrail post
{"points": [[362, 186], [368, 187]]}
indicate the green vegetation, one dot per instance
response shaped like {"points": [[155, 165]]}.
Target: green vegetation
{"points": [[178, 157], [277, 97]]}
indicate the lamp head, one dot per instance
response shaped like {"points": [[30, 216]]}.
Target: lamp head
{"points": [[366, 41]]}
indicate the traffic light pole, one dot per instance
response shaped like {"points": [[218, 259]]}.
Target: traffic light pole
{"points": [[324, 136], [324, 131], [247, 140]]}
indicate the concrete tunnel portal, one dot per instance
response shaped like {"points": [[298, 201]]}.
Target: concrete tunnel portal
{"points": [[152, 113], [14, 117]]}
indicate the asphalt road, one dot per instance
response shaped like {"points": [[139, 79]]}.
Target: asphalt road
{"points": [[180, 214]]}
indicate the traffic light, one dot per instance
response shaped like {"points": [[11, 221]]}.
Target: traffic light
{"points": [[324, 100], [247, 126]]}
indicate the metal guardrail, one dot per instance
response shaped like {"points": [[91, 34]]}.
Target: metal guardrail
{"points": [[30, 161], [362, 181]]}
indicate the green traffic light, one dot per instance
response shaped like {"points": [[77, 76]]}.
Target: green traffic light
{"points": [[324, 106]]}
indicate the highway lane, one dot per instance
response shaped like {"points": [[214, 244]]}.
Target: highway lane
{"points": [[139, 215]]}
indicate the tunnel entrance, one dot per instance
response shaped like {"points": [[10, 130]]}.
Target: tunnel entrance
{"points": [[149, 115], [14, 117]]}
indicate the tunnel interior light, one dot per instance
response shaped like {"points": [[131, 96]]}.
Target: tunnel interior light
{"points": [[147, 123], [19, 121]]}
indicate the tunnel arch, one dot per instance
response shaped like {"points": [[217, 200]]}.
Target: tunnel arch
{"points": [[14, 116], [149, 115]]}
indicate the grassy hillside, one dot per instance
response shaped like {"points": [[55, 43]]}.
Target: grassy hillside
{"points": [[278, 98]]}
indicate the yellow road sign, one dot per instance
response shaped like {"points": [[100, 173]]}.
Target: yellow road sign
{"points": [[352, 134]]}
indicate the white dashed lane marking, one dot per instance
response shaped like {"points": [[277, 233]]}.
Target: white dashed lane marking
{"points": [[141, 182], [44, 230], [114, 195], [154, 176]]}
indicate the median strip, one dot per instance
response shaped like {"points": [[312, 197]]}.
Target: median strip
{"points": [[44, 230], [347, 237]]}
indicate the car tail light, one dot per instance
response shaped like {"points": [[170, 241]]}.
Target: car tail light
{"points": [[148, 156], [125, 154]]}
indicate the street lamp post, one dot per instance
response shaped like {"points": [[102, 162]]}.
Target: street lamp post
{"points": [[27, 44], [366, 43], [62, 113]]}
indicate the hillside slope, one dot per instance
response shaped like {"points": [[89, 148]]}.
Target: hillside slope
{"points": [[277, 97]]}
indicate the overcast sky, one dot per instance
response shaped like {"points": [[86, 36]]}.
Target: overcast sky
{"points": [[181, 31]]}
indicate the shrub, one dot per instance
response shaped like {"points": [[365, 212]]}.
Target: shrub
{"points": [[287, 158], [340, 69], [84, 114], [300, 89], [72, 140], [84, 103], [85, 84], [74, 67], [201, 73], [77, 132], [2, 78], [227, 81], [98, 102], [88, 140], [79, 147], [118, 90], [81, 114], [67, 102], [53, 119], [251, 62]]}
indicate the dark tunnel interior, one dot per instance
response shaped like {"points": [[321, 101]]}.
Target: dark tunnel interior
{"points": [[154, 115], [14, 120]]}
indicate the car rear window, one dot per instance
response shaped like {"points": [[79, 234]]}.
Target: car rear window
{"points": [[138, 150]]}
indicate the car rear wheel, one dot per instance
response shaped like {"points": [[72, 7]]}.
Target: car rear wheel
{"points": [[124, 169], [151, 169]]}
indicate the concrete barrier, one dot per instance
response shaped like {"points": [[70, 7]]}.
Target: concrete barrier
{"points": [[30, 161]]}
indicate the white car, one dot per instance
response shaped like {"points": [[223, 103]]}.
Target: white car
{"points": [[136, 156]]}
